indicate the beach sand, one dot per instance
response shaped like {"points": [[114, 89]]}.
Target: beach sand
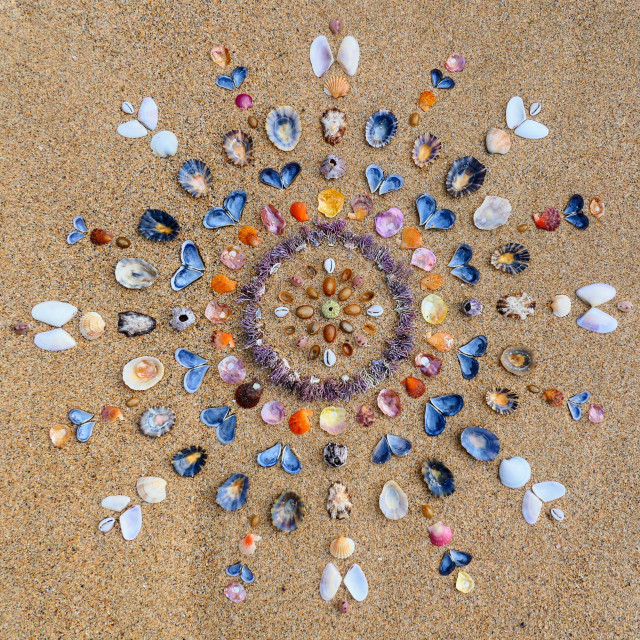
{"points": [[66, 69]]}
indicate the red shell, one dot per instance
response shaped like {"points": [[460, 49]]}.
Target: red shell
{"points": [[549, 219]]}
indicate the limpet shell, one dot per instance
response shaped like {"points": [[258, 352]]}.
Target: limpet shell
{"points": [[381, 128], [238, 148], [284, 128], [512, 258], [92, 325], [393, 501], [157, 421], [194, 177], [190, 461], [288, 511], [334, 125], [142, 373], [426, 149], [465, 176], [339, 502], [502, 400], [333, 167], [158, 226], [519, 360], [135, 273], [233, 492], [438, 478]]}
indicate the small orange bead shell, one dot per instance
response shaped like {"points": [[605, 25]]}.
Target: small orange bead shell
{"points": [[299, 422], [249, 236], [426, 100], [222, 284], [415, 387], [299, 211]]}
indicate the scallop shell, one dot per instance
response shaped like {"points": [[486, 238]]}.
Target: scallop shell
{"points": [[502, 401], [194, 177], [142, 373], [284, 128], [519, 360], [288, 511], [233, 492], [342, 547], [512, 258], [151, 489], [381, 128], [561, 306], [336, 86], [134, 273], [92, 325], [465, 176], [426, 149], [334, 125], [157, 421], [238, 148]]}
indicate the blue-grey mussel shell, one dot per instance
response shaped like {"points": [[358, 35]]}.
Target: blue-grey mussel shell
{"points": [[381, 128], [574, 212], [189, 461], [480, 443], [288, 511], [453, 559], [233, 492], [438, 477], [465, 176], [157, 421]]}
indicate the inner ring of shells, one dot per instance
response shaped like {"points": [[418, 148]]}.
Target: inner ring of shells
{"points": [[311, 387]]}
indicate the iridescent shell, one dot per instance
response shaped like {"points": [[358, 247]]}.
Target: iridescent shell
{"points": [[135, 273], [189, 461], [284, 128], [157, 421], [333, 420], [465, 176], [480, 443], [519, 360], [159, 226], [426, 149], [288, 511], [233, 492], [381, 128], [438, 477], [194, 177], [502, 401], [238, 147], [512, 258]]}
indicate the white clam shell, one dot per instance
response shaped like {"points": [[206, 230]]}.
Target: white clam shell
{"points": [[106, 525], [329, 358], [148, 113], [393, 501], [127, 107], [134, 382], [131, 522], [492, 213], [561, 306], [557, 514], [329, 265], [596, 294], [531, 507], [320, 56], [532, 130], [516, 114], [152, 489], [54, 340], [514, 472], [375, 311], [53, 312], [164, 144], [597, 321], [535, 109], [549, 490], [356, 583], [132, 129], [115, 503], [330, 582], [281, 312], [349, 55]]}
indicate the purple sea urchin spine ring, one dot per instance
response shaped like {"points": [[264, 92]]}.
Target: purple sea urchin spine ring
{"points": [[395, 351]]}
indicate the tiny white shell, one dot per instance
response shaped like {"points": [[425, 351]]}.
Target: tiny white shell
{"points": [[375, 311], [561, 306], [535, 109], [329, 265], [164, 144], [329, 358], [275, 268], [557, 514], [106, 525], [127, 107], [281, 312]]}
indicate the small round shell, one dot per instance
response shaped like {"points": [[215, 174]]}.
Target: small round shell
{"points": [[288, 511], [502, 401], [194, 177], [333, 167], [561, 306], [284, 128], [134, 273], [519, 360], [381, 128], [238, 148], [342, 547], [157, 421], [426, 149], [92, 325], [512, 258], [465, 176], [142, 373]]}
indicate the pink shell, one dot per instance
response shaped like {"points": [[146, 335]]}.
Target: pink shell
{"points": [[244, 101], [440, 535], [455, 62], [217, 313], [233, 257], [596, 413], [365, 415], [232, 370], [389, 403], [272, 412], [235, 592], [423, 259], [389, 222], [429, 365], [273, 220]]}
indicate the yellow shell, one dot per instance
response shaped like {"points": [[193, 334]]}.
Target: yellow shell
{"points": [[433, 308], [142, 373], [151, 489], [92, 325], [342, 547], [59, 434], [336, 86], [330, 202], [333, 420], [464, 582]]}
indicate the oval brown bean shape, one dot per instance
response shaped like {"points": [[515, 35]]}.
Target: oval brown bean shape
{"points": [[366, 296], [345, 276], [353, 309], [314, 352], [313, 328], [347, 349], [305, 311], [290, 331], [311, 271], [369, 328], [345, 326], [312, 293], [286, 297], [329, 285], [329, 332], [345, 294]]}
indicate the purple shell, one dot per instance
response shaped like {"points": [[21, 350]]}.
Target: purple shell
{"points": [[272, 412], [389, 222], [423, 259], [244, 101], [273, 220], [232, 370]]}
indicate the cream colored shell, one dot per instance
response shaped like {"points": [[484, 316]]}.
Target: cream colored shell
{"points": [[561, 306], [92, 325], [152, 489], [137, 383], [342, 547]]}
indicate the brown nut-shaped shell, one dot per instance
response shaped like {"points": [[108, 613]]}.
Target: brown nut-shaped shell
{"points": [[329, 332], [311, 271], [329, 285], [313, 328], [305, 311], [345, 294], [346, 275], [369, 328], [100, 236], [353, 309], [367, 296], [345, 326], [286, 297], [312, 293], [347, 349], [314, 352], [290, 330]]}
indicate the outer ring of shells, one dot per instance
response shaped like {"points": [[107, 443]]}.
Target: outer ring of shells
{"points": [[396, 350]]}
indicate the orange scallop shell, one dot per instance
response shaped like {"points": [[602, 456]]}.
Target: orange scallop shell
{"points": [[426, 100], [221, 284], [336, 86], [221, 340], [299, 422], [249, 236]]}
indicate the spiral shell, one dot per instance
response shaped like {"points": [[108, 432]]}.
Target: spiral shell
{"points": [[92, 325]]}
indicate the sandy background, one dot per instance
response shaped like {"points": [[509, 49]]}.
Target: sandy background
{"points": [[65, 70]]}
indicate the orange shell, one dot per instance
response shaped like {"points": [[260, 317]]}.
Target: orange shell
{"points": [[111, 414], [220, 55], [411, 238], [221, 340], [299, 422], [432, 282], [336, 86], [441, 341], [100, 236], [553, 397], [426, 100], [299, 211], [249, 236], [222, 284], [415, 387]]}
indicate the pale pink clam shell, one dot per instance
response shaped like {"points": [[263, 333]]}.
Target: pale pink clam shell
{"points": [[217, 313], [233, 257], [232, 370], [596, 413], [389, 403], [272, 412], [389, 222], [423, 259], [235, 592], [454, 63], [273, 220]]}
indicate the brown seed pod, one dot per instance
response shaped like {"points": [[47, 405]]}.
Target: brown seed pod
{"points": [[353, 309], [312, 293], [305, 311], [346, 275], [329, 332], [347, 349], [344, 294], [329, 285], [100, 236]]}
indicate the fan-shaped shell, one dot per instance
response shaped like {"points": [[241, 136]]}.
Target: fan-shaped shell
{"points": [[381, 128], [159, 226], [288, 511], [157, 421], [142, 373], [512, 258], [502, 401], [336, 86], [438, 477], [134, 273], [342, 547], [233, 492], [92, 325], [189, 461], [465, 176], [238, 148], [362, 205], [194, 177], [426, 149], [151, 489], [284, 128]]}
